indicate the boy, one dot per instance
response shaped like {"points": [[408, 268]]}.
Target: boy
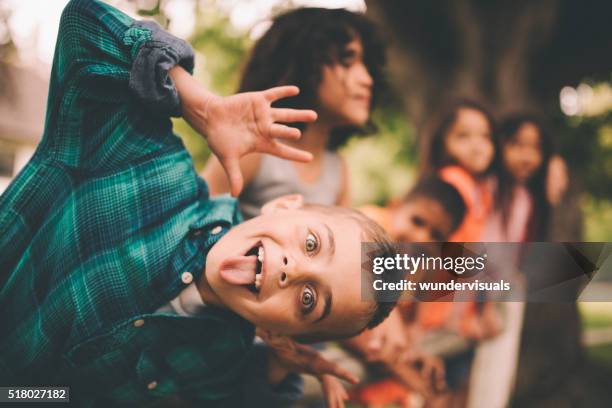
{"points": [[119, 275], [430, 212]]}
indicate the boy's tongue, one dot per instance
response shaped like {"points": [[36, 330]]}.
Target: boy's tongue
{"points": [[239, 270]]}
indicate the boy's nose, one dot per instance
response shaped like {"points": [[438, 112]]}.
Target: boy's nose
{"points": [[286, 270], [421, 235]]}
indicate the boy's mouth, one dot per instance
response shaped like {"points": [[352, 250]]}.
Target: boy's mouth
{"points": [[246, 270]]}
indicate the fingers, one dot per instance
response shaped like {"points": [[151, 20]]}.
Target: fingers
{"points": [[280, 92], [283, 131], [323, 366], [234, 175], [286, 152], [334, 391], [433, 372], [334, 400], [293, 115]]}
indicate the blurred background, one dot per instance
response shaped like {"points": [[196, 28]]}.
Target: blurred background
{"points": [[553, 57]]}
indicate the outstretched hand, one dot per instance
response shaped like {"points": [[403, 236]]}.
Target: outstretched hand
{"points": [[300, 358], [243, 123]]}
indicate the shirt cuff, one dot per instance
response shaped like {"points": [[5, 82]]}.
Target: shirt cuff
{"points": [[149, 76]]}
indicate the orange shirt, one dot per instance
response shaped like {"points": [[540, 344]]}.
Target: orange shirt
{"points": [[478, 202], [382, 216]]}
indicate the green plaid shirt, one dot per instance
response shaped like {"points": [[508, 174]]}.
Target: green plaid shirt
{"points": [[98, 229]]}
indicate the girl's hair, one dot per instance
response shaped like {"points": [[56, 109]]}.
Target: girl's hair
{"points": [[538, 225], [298, 44], [435, 156]]}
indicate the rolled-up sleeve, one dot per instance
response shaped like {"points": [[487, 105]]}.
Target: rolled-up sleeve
{"points": [[110, 72], [149, 77]]}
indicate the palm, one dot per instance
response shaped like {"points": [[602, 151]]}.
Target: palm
{"points": [[246, 122]]}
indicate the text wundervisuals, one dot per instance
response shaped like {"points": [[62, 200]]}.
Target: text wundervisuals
{"points": [[477, 285]]}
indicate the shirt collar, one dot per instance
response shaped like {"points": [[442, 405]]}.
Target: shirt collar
{"points": [[219, 210]]}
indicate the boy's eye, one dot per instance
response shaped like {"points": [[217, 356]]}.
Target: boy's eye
{"points": [[312, 243], [437, 236], [307, 299], [418, 221]]}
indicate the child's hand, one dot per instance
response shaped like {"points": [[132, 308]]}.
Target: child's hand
{"points": [[387, 342], [245, 123], [299, 358], [425, 374], [557, 179], [240, 124], [334, 392]]}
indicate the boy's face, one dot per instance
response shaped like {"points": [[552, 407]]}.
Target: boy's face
{"points": [[307, 277], [421, 219]]}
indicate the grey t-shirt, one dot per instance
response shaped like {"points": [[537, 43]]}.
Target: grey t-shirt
{"points": [[276, 177]]}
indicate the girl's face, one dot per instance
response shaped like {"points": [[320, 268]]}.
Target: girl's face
{"points": [[345, 91], [468, 141], [521, 154]]}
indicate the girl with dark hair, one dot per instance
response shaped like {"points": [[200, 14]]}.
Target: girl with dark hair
{"points": [[335, 57], [461, 151], [524, 150], [522, 209]]}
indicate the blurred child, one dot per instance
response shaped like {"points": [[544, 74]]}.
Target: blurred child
{"points": [[430, 212], [461, 152], [523, 156], [522, 208], [335, 57]]}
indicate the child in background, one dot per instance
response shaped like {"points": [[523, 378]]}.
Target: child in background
{"points": [[430, 212], [335, 57], [522, 208], [523, 154], [461, 152]]}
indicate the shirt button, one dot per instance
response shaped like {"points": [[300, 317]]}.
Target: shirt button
{"points": [[138, 323], [152, 385], [216, 230], [187, 278]]}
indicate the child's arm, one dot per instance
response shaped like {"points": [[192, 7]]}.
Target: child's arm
{"points": [[215, 176], [116, 82], [285, 356], [240, 124]]}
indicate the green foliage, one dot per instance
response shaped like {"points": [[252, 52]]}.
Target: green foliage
{"points": [[382, 165], [586, 145]]}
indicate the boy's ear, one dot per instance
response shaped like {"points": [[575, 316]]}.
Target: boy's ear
{"points": [[286, 202]]}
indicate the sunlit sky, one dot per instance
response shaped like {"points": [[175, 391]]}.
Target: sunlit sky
{"points": [[33, 24]]}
